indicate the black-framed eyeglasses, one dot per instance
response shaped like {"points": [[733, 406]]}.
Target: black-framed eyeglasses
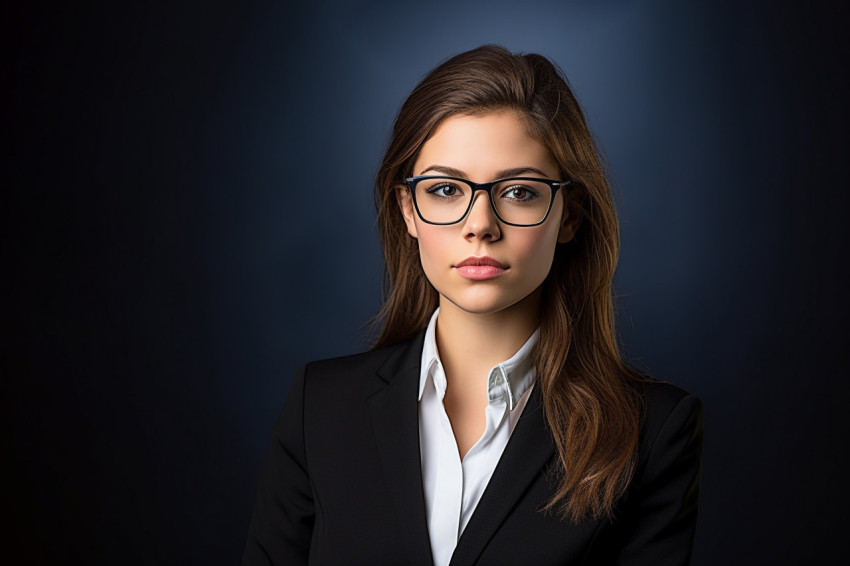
{"points": [[516, 201]]}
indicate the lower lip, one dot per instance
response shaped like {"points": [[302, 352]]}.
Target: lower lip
{"points": [[480, 272]]}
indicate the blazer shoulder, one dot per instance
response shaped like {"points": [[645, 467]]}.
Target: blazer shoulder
{"points": [[661, 400], [669, 413], [346, 371]]}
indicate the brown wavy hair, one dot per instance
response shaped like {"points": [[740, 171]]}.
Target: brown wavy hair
{"points": [[589, 392]]}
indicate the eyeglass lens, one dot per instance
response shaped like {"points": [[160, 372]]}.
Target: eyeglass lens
{"points": [[516, 201]]}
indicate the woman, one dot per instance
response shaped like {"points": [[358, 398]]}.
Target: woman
{"points": [[495, 422]]}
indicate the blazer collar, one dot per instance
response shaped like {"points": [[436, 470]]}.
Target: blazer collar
{"points": [[393, 403]]}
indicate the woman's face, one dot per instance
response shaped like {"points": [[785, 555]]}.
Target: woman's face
{"points": [[485, 148]]}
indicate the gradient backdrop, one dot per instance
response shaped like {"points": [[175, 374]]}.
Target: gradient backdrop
{"points": [[187, 217]]}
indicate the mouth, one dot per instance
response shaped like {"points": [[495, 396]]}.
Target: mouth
{"points": [[480, 268]]}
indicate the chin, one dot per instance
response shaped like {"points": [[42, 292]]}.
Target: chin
{"points": [[483, 303]]}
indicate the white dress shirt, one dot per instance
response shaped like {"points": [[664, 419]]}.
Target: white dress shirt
{"points": [[453, 486]]}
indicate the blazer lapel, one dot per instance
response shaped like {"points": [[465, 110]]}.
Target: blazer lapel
{"points": [[395, 417], [529, 449]]}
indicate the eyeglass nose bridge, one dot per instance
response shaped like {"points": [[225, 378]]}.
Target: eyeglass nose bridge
{"points": [[487, 188]]}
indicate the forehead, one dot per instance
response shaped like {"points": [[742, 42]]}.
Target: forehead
{"points": [[482, 144]]}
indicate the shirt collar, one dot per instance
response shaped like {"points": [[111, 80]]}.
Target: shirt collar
{"points": [[508, 380]]}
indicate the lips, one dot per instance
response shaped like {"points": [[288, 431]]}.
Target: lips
{"points": [[480, 268], [476, 261]]}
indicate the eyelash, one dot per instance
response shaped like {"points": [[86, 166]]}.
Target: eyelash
{"points": [[532, 194]]}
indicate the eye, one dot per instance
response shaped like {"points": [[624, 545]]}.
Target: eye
{"points": [[446, 190], [519, 193]]}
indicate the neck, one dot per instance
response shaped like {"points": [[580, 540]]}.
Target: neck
{"points": [[471, 341]]}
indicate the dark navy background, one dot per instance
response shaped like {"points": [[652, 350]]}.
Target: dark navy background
{"points": [[187, 217]]}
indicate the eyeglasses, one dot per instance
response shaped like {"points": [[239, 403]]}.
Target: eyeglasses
{"points": [[517, 201]]}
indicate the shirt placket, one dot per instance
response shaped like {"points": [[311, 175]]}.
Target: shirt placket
{"points": [[449, 498]]}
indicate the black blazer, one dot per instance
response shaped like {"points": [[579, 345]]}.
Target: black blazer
{"points": [[341, 483]]}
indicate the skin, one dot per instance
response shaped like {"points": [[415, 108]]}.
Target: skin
{"points": [[482, 323]]}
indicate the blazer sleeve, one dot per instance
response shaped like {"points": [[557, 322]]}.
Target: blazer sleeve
{"points": [[663, 507], [282, 524]]}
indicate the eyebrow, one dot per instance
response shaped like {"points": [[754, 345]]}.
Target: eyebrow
{"points": [[513, 172]]}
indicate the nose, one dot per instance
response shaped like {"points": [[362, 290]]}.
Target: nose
{"points": [[481, 221]]}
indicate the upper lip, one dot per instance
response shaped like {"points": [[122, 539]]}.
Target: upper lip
{"points": [[481, 261]]}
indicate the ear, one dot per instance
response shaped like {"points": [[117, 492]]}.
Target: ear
{"points": [[405, 203], [571, 219]]}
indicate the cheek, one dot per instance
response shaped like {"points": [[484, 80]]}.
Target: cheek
{"points": [[537, 250], [537, 245], [434, 247]]}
